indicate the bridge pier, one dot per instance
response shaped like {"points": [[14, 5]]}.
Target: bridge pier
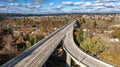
{"points": [[44, 65], [68, 60]]}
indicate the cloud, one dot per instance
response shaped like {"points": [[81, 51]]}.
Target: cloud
{"points": [[110, 10], [8, 0], [99, 1], [31, 6], [100, 7], [109, 6], [78, 3], [51, 4], [13, 4], [43, 10], [75, 10], [72, 3], [105, 5], [38, 6], [78, 10], [98, 4], [87, 4], [40, 1], [118, 6], [58, 8], [68, 3], [2, 6], [3, 10]]}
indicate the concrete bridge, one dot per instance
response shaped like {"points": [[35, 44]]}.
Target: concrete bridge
{"points": [[37, 55]]}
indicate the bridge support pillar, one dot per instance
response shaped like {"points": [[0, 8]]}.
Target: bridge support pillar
{"points": [[44, 65], [68, 60]]}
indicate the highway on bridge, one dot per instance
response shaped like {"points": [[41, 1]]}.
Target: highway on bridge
{"points": [[37, 55], [40, 52]]}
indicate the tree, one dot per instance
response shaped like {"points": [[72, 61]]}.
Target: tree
{"points": [[94, 46], [7, 41], [94, 24], [1, 32], [35, 38], [21, 43], [83, 20], [80, 36], [7, 30], [28, 44], [20, 40], [116, 33]]}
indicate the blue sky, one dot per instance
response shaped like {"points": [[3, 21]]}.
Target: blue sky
{"points": [[59, 6]]}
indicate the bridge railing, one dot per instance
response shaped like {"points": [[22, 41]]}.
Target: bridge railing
{"points": [[25, 53]]}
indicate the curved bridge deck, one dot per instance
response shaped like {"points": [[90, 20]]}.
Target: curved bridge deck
{"points": [[78, 55]]}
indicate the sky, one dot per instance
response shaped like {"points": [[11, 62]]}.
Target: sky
{"points": [[59, 6]]}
